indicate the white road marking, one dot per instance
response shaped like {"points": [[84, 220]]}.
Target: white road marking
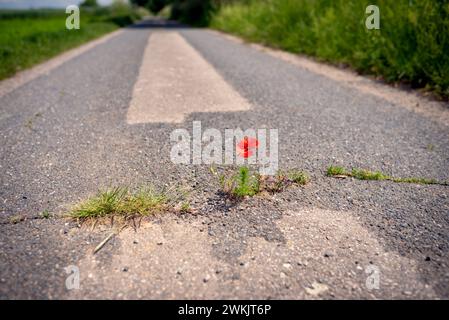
{"points": [[175, 80]]}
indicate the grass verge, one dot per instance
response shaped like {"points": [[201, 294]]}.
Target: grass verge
{"points": [[411, 45], [360, 174], [32, 36]]}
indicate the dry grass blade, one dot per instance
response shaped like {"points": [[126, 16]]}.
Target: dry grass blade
{"points": [[102, 243]]}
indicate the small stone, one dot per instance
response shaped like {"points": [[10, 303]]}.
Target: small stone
{"points": [[317, 288], [328, 255], [135, 242], [407, 293], [283, 275], [427, 259], [159, 243], [287, 265], [206, 278], [125, 269]]}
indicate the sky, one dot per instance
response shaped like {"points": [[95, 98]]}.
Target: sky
{"points": [[27, 4]]}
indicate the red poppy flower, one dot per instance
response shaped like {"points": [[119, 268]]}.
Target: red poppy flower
{"points": [[246, 146]]}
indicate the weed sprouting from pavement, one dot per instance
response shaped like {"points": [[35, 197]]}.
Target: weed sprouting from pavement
{"points": [[185, 207], [369, 175], [244, 183], [298, 177], [123, 202], [241, 184], [419, 181], [336, 171], [45, 214], [361, 174]]}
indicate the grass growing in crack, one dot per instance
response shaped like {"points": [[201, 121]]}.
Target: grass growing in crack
{"points": [[368, 175], [45, 214], [185, 207], [336, 171], [377, 175], [298, 177], [244, 183], [419, 181], [123, 202]]}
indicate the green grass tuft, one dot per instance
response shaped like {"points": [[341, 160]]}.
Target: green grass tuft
{"points": [[121, 201], [418, 180], [298, 177], [241, 184], [246, 184], [336, 171], [368, 175], [45, 214], [361, 174]]}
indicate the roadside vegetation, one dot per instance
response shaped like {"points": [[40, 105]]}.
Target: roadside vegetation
{"points": [[360, 174], [411, 46], [28, 37]]}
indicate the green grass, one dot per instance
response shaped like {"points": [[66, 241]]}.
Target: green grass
{"points": [[369, 175], [298, 177], [245, 183], [32, 36], [45, 214], [123, 202], [361, 174], [411, 46], [336, 171]]}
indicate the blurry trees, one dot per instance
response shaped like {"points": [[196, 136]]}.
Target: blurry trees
{"points": [[195, 12], [89, 4]]}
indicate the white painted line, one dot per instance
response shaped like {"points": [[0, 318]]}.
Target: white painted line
{"points": [[175, 80], [25, 76]]}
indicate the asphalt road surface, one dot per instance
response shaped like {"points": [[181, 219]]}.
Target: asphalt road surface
{"points": [[102, 117]]}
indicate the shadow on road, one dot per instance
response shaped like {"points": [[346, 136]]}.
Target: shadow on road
{"points": [[157, 23]]}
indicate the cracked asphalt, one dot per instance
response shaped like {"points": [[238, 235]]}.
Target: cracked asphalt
{"points": [[64, 136]]}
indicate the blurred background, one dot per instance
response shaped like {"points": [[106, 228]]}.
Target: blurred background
{"points": [[411, 47]]}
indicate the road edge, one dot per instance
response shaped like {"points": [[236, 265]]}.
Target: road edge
{"points": [[19, 79], [411, 100]]}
